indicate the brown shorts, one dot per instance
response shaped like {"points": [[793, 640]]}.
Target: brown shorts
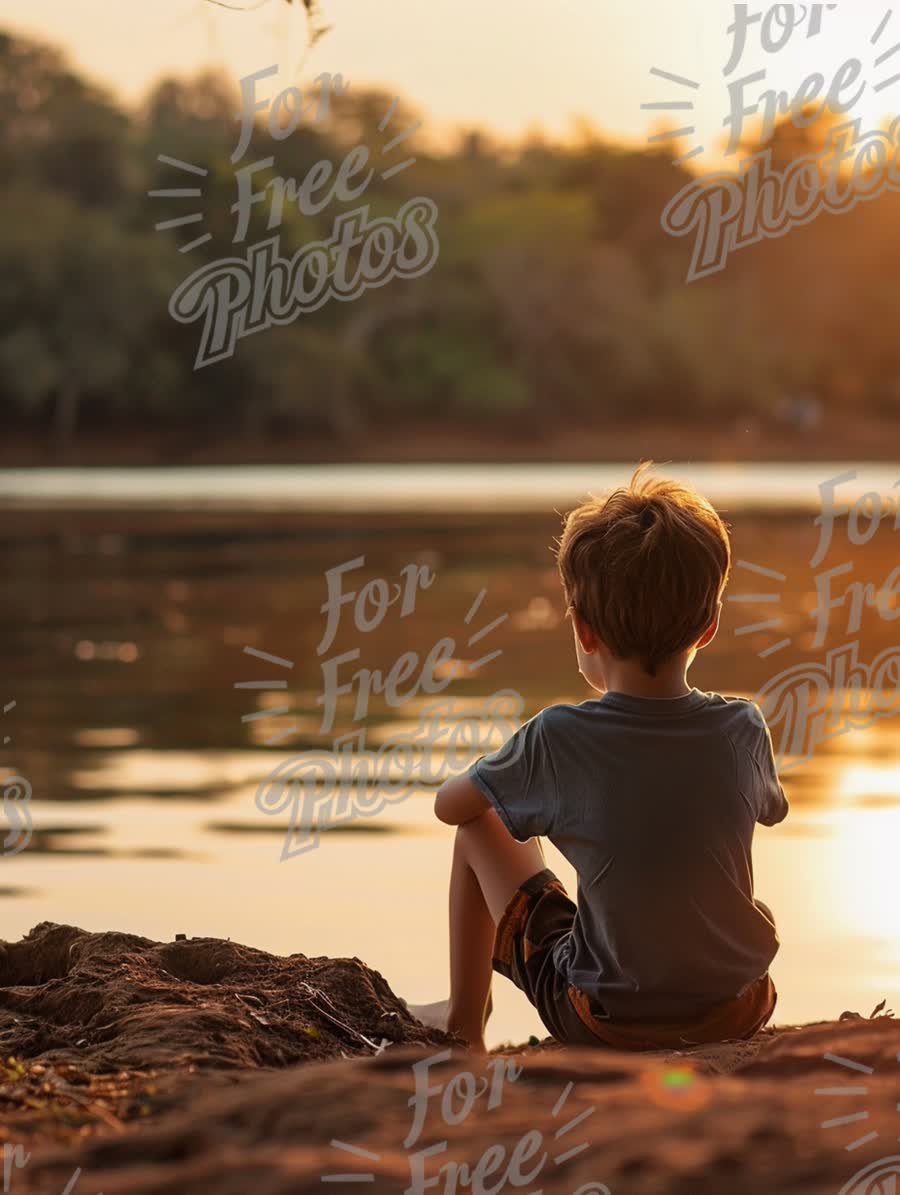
{"points": [[537, 917]]}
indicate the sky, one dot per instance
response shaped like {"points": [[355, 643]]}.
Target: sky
{"points": [[509, 66]]}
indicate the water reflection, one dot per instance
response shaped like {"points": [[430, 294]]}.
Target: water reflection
{"points": [[63, 840], [271, 826], [870, 782], [106, 736], [869, 854], [185, 774]]}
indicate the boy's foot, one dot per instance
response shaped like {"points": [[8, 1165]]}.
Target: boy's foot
{"points": [[437, 1016]]}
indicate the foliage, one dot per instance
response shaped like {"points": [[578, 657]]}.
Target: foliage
{"points": [[557, 295]]}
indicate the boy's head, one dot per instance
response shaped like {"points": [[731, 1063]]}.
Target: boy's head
{"points": [[644, 569]]}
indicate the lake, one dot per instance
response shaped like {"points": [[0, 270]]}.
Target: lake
{"points": [[131, 596]]}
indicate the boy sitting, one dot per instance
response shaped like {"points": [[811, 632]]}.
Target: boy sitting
{"points": [[651, 792]]}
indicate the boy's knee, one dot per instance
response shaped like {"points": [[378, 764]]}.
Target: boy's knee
{"points": [[485, 828], [476, 826]]}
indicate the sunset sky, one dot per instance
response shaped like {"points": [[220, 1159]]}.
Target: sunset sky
{"points": [[509, 65]]}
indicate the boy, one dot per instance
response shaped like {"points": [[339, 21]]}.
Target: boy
{"points": [[651, 792]]}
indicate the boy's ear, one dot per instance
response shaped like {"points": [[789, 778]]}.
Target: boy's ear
{"points": [[710, 633], [586, 636]]}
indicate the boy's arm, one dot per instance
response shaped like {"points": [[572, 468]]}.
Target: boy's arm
{"points": [[459, 801], [773, 806], [518, 781]]}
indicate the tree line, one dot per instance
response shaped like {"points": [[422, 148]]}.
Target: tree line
{"points": [[556, 294]]}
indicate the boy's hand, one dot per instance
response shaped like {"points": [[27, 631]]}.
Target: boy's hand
{"points": [[459, 800]]}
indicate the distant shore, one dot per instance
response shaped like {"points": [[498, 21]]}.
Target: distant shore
{"points": [[473, 439]]}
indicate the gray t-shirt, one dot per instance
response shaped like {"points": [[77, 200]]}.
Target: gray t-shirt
{"points": [[653, 802]]}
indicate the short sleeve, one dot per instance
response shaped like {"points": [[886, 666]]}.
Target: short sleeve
{"points": [[519, 781], [773, 804]]}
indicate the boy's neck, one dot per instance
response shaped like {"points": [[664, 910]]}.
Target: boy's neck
{"points": [[626, 676]]}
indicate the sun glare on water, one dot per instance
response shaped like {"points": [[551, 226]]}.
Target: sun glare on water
{"points": [[868, 830], [870, 782]]}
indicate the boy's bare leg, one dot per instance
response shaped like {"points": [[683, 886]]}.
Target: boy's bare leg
{"points": [[488, 866]]}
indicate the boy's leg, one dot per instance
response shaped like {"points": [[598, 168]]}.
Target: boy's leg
{"points": [[488, 867]]}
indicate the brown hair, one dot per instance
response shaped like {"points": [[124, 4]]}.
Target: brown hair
{"points": [[645, 567]]}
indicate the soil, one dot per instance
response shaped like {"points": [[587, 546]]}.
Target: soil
{"points": [[107, 1026], [206, 1066]]}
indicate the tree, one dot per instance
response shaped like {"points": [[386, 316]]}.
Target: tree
{"points": [[57, 130], [79, 304]]}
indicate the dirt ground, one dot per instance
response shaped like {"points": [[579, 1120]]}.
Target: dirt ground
{"points": [[203, 1065]]}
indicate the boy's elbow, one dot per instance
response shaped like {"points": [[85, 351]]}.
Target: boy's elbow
{"points": [[446, 805], [458, 801], [441, 811]]}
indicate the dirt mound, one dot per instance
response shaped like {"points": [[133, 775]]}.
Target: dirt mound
{"points": [[97, 1030], [118, 1001]]}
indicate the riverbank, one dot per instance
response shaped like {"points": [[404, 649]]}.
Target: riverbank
{"points": [[203, 1065], [475, 439]]}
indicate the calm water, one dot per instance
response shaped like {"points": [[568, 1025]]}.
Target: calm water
{"points": [[122, 639]]}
